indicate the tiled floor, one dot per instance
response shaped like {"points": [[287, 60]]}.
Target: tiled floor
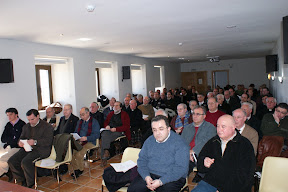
{"points": [[84, 182]]}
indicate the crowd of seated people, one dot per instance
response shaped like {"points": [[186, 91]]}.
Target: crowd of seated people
{"points": [[255, 113]]}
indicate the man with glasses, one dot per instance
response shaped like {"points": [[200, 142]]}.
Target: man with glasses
{"points": [[197, 134], [276, 124]]}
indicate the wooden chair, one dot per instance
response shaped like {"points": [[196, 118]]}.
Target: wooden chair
{"points": [[67, 160]]}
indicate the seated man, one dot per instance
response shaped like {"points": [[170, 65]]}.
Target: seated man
{"points": [[276, 124], [51, 117], [89, 130], [126, 106], [192, 104], [163, 160], [213, 113], [135, 116], [223, 106], [10, 137], [197, 134], [96, 114], [201, 100], [170, 102], [110, 108], [245, 130], [227, 160], [39, 135], [117, 122], [68, 122], [148, 111], [182, 119]]}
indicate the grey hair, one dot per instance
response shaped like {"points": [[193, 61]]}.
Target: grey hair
{"points": [[162, 111], [182, 104], [221, 95], [249, 105]]}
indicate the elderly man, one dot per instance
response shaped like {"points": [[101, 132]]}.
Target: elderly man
{"points": [[10, 137], [213, 113], [251, 120], [148, 113], [157, 100], [136, 120], [163, 160], [276, 124], [151, 97], [182, 119], [227, 160], [126, 106], [245, 130], [215, 92], [197, 133], [68, 122], [210, 95], [96, 114], [223, 106], [51, 117], [117, 121], [110, 108], [201, 100], [192, 104], [139, 99], [245, 98], [268, 106], [232, 101], [89, 130], [39, 135], [170, 102]]}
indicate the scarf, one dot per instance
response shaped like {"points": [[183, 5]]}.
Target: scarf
{"points": [[89, 129], [178, 122]]}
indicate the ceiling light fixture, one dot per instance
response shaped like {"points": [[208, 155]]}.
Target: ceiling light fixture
{"points": [[180, 44], [90, 8], [84, 39], [182, 58]]}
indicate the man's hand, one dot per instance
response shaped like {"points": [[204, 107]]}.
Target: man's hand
{"points": [[20, 144], [178, 130], [113, 129], [53, 125], [191, 156], [149, 181], [146, 119], [208, 162], [276, 117], [83, 139], [155, 184], [30, 142], [107, 127]]}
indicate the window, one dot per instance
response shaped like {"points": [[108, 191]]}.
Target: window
{"points": [[44, 86]]}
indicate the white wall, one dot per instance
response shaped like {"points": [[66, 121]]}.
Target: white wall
{"points": [[241, 71], [22, 94], [278, 89]]}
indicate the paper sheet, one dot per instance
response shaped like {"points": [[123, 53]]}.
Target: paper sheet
{"points": [[123, 167], [47, 162], [76, 136], [103, 129], [145, 116], [26, 146]]}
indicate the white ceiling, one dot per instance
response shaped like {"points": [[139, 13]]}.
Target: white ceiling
{"points": [[149, 28]]}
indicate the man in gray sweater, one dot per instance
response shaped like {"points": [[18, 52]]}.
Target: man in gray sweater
{"points": [[163, 160]]}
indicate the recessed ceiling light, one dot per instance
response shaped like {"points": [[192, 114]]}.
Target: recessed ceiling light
{"points": [[231, 26], [182, 58], [180, 44], [84, 39], [90, 8], [61, 35]]}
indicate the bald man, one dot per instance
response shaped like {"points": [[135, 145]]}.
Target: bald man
{"points": [[227, 160]]}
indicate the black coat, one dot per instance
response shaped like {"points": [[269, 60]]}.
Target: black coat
{"points": [[135, 119], [71, 124], [11, 134], [99, 117], [232, 172]]}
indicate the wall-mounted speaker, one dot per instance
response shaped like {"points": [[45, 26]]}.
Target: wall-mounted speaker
{"points": [[271, 63], [6, 71], [125, 72]]}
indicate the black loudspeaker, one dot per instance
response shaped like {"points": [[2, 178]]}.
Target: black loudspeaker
{"points": [[271, 63], [285, 39], [6, 71], [125, 72]]}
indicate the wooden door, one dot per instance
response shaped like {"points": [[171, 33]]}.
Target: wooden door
{"points": [[197, 79]]}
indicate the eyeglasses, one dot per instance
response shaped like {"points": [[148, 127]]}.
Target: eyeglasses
{"points": [[283, 113], [198, 114]]}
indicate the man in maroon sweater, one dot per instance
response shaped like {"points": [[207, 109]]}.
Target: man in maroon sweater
{"points": [[116, 123], [213, 114]]}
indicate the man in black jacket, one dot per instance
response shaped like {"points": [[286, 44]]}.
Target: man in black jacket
{"points": [[135, 122], [10, 137], [68, 122], [96, 114], [227, 160]]}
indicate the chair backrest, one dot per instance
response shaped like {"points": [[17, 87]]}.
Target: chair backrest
{"points": [[130, 153], [274, 175]]}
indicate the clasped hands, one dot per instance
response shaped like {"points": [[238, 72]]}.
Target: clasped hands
{"points": [[111, 129], [152, 184]]}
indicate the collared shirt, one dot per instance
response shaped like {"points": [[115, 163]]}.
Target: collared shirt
{"points": [[198, 125], [248, 118], [201, 103], [36, 124], [164, 139], [15, 122], [224, 143], [241, 129]]}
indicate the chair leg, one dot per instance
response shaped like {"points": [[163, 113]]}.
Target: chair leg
{"points": [[88, 155], [74, 172], [35, 178], [58, 180]]}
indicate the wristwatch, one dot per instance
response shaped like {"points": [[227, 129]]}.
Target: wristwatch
{"points": [[35, 142]]}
